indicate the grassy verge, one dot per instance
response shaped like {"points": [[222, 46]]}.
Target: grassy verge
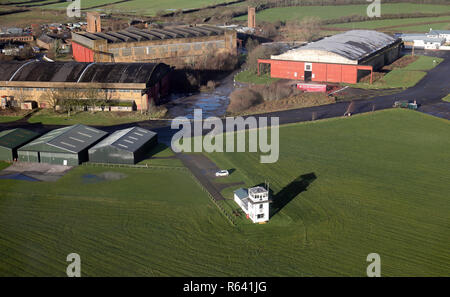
{"points": [[447, 98], [49, 117], [4, 165], [6, 119], [404, 77], [250, 77]]}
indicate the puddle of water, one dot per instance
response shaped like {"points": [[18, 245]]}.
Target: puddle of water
{"points": [[212, 103], [18, 176]]}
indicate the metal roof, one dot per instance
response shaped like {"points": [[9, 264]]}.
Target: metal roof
{"points": [[73, 139], [130, 139], [16, 137], [133, 34], [439, 32], [80, 72], [424, 37], [352, 45]]}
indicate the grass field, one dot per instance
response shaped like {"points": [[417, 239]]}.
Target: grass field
{"points": [[334, 12], [380, 187], [141, 7], [410, 24], [405, 77], [248, 76]]}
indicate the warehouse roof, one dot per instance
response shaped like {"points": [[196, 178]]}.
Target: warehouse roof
{"points": [[81, 72], [133, 34], [130, 139], [71, 139], [16, 137], [352, 45], [424, 37]]}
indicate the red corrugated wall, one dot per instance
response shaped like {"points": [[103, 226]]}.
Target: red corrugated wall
{"points": [[321, 72], [81, 53]]}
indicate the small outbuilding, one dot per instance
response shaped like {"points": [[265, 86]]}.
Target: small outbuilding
{"points": [[127, 146], [11, 140], [64, 146]]}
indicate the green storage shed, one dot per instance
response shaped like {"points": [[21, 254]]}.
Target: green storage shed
{"points": [[127, 146], [65, 146], [11, 140]]}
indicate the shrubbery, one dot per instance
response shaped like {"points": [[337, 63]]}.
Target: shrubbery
{"points": [[243, 99]]}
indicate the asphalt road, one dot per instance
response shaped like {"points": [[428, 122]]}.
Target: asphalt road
{"points": [[428, 94]]}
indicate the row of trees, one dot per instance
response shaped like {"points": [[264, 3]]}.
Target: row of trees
{"points": [[70, 99]]}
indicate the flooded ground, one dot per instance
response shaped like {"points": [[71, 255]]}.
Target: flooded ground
{"points": [[213, 102]]}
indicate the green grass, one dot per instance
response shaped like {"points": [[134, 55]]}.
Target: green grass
{"points": [[334, 12], [447, 98], [6, 119], [398, 23], [142, 7], [381, 187], [248, 76], [49, 117], [4, 165], [405, 77]]}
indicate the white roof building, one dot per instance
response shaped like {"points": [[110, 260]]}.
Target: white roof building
{"points": [[254, 202]]}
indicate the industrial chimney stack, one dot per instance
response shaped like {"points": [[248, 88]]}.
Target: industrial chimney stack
{"points": [[251, 17], [93, 22]]}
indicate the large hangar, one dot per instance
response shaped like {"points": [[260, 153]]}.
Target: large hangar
{"points": [[11, 140], [64, 146], [342, 58], [127, 146], [135, 83]]}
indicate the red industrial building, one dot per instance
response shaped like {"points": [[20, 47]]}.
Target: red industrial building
{"points": [[342, 58]]}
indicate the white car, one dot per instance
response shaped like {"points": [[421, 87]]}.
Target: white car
{"points": [[222, 173]]}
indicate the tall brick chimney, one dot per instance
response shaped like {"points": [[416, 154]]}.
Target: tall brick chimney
{"points": [[93, 22], [251, 17]]}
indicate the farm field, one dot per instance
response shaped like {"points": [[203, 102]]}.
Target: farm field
{"points": [[141, 7], [421, 25], [334, 12], [138, 223]]}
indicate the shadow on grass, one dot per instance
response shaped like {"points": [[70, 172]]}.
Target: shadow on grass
{"points": [[283, 197]]}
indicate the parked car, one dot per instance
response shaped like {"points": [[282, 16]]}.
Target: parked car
{"points": [[222, 173]]}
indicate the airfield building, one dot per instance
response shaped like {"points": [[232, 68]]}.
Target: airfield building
{"points": [[127, 146], [64, 146], [133, 85], [152, 45], [342, 58], [254, 202], [11, 140]]}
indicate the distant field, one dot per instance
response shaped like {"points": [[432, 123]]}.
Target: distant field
{"points": [[142, 7], [334, 12], [399, 24], [380, 186], [23, 19]]}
